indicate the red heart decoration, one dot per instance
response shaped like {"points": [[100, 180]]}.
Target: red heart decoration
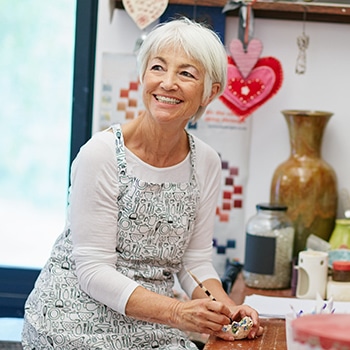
{"points": [[245, 95], [245, 60]]}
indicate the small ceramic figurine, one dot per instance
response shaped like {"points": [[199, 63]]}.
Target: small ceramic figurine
{"points": [[240, 329]]}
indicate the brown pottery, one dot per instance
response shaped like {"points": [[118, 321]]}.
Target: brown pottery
{"points": [[305, 182]]}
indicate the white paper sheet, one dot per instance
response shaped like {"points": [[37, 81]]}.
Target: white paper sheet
{"points": [[278, 307]]}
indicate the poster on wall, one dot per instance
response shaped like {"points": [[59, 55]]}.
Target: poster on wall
{"points": [[121, 101], [230, 137], [121, 98]]}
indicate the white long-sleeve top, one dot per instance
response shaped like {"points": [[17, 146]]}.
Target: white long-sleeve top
{"points": [[93, 212]]}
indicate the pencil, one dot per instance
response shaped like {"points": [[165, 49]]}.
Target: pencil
{"points": [[206, 291], [211, 296]]}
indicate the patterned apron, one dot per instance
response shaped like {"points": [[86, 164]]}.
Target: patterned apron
{"points": [[155, 224]]}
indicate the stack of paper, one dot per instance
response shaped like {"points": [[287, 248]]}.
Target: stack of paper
{"points": [[278, 307]]}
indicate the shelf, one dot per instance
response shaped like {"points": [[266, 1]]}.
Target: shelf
{"points": [[331, 11]]}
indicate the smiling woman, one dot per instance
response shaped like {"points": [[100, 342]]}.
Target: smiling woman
{"points": [[142, 206], [36, 68]]}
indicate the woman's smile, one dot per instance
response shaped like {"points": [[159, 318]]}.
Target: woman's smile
{"points": [[168, 100]]}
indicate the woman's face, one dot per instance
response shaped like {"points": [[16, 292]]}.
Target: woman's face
{"points": [[173, 86]]}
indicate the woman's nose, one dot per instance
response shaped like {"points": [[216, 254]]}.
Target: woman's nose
{"points": [[169, 81]]}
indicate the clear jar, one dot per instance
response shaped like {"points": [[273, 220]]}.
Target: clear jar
{"points": [[269, 248]]}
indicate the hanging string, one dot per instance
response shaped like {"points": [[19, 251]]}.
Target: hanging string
{"points": [[247, 22], [246, 31], [246, 18], [303, 43]]}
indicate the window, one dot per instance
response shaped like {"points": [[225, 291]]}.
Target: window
{"points": [[36, 69]]}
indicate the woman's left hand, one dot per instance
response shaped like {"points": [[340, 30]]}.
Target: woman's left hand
{"points": [[240, 311]]}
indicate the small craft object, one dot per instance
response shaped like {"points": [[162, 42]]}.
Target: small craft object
{"points": [[240, 329]]}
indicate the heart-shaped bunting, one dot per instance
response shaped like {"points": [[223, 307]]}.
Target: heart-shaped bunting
{"points": [[245, 60], [245, 95], [145, 12]]}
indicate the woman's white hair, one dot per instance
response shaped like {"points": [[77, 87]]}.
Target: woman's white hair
{"points": [[199, 42]]}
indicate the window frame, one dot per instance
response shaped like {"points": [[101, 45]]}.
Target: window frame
{"points": [[16, 282]]}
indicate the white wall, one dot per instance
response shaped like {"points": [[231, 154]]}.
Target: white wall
{"points": [[324, 86]]}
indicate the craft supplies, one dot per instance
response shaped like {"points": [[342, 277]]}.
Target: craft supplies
{"points": [[206, 291], [240, 329], [321, 307], [269, 247]]}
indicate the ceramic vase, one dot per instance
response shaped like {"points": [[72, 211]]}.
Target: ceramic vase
{"points": [[340, 238], [305, 182]]}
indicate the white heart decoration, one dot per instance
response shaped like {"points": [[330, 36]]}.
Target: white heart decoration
{"points": [[145, 12]]}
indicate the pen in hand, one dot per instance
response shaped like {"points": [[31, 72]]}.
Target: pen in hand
{"points": [[239, 329], [206, 291], [211, 296]]}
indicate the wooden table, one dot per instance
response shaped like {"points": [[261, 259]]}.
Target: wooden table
{"points": [[274, 337]]}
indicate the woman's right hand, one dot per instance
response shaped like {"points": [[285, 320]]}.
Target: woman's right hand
{"points": [[202, 316], [199, 315]]}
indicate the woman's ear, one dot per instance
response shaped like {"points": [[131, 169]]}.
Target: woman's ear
{"points": [[215, 88]]}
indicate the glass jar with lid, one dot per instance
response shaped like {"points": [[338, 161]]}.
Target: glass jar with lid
{"points": [[269, 248], [341, 271]]}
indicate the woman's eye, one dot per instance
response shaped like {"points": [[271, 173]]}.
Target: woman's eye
{"points": [[156, 67], [187, 74]]}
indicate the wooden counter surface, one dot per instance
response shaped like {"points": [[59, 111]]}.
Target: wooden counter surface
{"points": [[274, 337]]}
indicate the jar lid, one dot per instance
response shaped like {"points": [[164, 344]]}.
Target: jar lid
{"points": [[340, 265], [272, 206], [325, 330]]}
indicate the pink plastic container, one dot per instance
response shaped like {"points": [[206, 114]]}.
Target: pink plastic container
{"points": [[322, 332]]}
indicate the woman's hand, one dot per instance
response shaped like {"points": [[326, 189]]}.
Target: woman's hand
{"points": [[237, 312], [240, 311], [202, 316]]}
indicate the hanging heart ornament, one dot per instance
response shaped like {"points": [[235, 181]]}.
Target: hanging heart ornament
{"points": [[245, 59], [145, 12], [251, 80]]}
